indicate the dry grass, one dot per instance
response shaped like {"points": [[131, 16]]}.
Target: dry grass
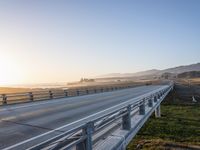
{"points": [[191, 81], [7, 90], [195, 80]]}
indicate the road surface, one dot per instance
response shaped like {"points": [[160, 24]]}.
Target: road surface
{"points": [[24, 125]]}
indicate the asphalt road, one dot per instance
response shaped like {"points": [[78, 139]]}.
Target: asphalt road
{"points": [[24, 125]]}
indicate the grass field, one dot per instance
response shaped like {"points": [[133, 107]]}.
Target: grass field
{"points": [[192, 81], [178, 128], [6, 90]]}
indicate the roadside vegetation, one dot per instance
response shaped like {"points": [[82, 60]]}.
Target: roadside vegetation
{"points": [[178, 127], [5, 90]]}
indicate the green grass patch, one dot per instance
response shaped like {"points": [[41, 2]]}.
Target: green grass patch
{"points": [[178, 124]]}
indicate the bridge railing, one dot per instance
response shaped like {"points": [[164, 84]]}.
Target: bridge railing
{"points": [[82, 136], [12, 98]]}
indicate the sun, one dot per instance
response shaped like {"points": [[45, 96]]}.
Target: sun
{"points": [[10, 71]]}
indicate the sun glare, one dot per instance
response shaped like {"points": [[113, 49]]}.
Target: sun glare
{"points": [[10, 71]]}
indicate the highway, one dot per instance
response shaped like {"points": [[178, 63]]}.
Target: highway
{"points": [[24, 125]]}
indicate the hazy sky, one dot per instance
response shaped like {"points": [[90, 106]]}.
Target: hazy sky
{"points": [[55, 41]]}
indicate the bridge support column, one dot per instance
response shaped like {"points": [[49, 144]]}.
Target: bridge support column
{"points": [[157, 112], [87, 143], [126, 120], [142, 108]]}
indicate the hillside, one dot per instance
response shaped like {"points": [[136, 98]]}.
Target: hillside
{"points": [[191, 74], [174, 70], [141, 73], [181, 69]]}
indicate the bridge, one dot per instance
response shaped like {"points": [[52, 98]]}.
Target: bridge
{"points": [[98, 121]]}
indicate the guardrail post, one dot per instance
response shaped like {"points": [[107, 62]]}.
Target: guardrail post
{"points": [[142, 108], [78, 92], [4, 99], [65, 93], [157, 112], [150, 102], [87, 143], [50, 94], [30, 96], [101, 90], [155, 99], [95, 91], [126, 119], [87, 91], [160, 95]]}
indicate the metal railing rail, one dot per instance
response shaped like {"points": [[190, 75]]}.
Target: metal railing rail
{"points": [[12, 98], [81, 136]]}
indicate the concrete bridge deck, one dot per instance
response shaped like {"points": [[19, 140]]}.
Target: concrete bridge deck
{"points": [[25, 125]]}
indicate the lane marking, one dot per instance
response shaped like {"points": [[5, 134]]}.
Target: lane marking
{"points": [[64, 126]]}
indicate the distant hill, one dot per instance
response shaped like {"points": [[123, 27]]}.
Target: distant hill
{"points": [[167, 75], [155, 72], [145, 73], [181, 69], [142, 73], [191, 74]]}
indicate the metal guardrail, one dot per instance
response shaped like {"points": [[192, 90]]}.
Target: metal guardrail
{"points": [[55, 93], [81, 137]]}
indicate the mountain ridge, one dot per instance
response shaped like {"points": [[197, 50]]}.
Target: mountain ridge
{"points": [[173, 70]]}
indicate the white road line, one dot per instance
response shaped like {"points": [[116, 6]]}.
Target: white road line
{"points": [[41, 135]]}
